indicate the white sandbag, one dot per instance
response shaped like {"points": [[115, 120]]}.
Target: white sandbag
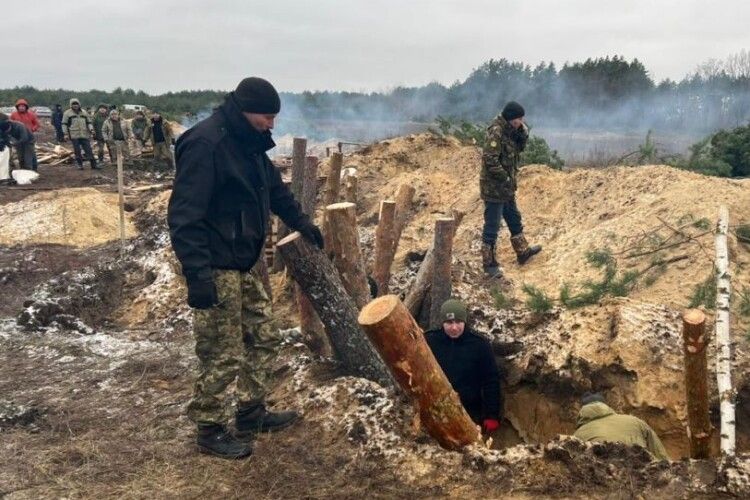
{"points": [[5, 164], [23, 177]]}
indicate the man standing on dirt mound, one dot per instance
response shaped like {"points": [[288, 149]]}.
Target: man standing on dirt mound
{"points": [[218, 217], [501, 159]]}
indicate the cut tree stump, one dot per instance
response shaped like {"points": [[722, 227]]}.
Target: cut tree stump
{"points": [[696, 382], [401, 343], [299, 149], [404, 200], [384, 241], [345, 251], [333, 182], [320, 282], [415, 298], [440, 288], [723, 339]]}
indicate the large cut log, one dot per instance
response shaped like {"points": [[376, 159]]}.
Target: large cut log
{"points": [[416, 296], [310, 326], [696, 382], [723, 340], [404, 200], [320, 282], [384, 241], [440, 288], [299, 149], [345, 251], [401, 343]]}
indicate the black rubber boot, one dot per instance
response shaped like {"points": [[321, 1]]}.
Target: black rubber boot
{"points": [[80, 166], [216, 440], [254, 418]]}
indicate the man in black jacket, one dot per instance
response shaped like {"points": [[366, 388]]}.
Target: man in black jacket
{"points": [[467, 360], [218, 217]]}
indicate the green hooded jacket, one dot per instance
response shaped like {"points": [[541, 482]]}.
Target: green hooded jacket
{"points": [[501, 159], [598, 422]]}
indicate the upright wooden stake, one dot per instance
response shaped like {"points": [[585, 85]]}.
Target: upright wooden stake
{"points": [[440, 289], [121, 199], [333, 182], [299, 149], [384, 240], [723, 340], [417, 293], [310, 325], [320, 281], [404, 199], [696, 382], [351, 189], [345, 251], [401, 343]]}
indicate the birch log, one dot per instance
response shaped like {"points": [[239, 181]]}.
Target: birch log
{"points": [[723, 340]]}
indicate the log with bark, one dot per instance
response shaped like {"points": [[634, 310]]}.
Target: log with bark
{"points": [[440, 287], [320, 282], [415, 298], [384, 241], [696, 382], [401, 343], [350, 188], [299, 149], [345, 251], [723, 339]]}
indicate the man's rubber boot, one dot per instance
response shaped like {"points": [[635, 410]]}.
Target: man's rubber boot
{"points": [[489, 262], [80, 166], [214, 439], [253, 418], [524, 251], [94, 166]]}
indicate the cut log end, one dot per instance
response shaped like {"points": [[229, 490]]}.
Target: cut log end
{"points": [[344, 205], [694, 316], [377, 310], [288, 239]]}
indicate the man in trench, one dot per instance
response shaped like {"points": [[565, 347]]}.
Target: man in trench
{"points": [[467, 360], [501, 158], [218, 217], [598, 422]]}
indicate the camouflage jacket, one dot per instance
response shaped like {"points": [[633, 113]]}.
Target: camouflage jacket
{"points": [[98, 122], [501, 159], [139, 126]]}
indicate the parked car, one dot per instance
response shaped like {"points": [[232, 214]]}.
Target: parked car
{"points": [[7, 110], [42, 111]]}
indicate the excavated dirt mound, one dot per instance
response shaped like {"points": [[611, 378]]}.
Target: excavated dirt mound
{"points": [[81, 217]]}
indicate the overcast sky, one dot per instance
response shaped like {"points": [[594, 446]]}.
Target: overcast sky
{"points": [[161, 45]]}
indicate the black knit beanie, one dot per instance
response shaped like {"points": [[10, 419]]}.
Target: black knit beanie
{"points": [[513, 110], [4, 122], [256, 95], [592, 397]]}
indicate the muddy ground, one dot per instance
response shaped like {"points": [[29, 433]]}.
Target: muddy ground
{"points": [[96, 362]]}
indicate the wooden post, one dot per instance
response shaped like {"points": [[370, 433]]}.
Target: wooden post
{"points": [[347, 256], [320, 282], [310, 326], [333, 182], [440, 288], [696, 382], [351, 189], [404, 200], [299, 149], [384, 237], [401, 343], [723, 340], [121, 199], [418, 291]]}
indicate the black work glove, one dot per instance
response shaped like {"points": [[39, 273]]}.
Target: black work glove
{"points": [[202, 293], [312, 234]]}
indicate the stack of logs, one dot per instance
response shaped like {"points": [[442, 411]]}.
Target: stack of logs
{"points": [[332, 290], [53, 154]]}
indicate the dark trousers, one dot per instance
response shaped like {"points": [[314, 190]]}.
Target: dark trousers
{"points": [[26, 155], [78, 144], [59, 133], [494, 213]]}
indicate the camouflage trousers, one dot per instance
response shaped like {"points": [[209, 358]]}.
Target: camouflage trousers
{"points": [[112, 145], [234, 342], [162, 153]]}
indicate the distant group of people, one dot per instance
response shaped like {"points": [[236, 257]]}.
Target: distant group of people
{"points": [[77, 125]]}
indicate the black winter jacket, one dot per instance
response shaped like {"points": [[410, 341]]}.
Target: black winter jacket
{"points": [[224, 188], [470, 366]]}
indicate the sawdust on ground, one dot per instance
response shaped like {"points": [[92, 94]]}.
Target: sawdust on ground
{"points": [[80, 217]]}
